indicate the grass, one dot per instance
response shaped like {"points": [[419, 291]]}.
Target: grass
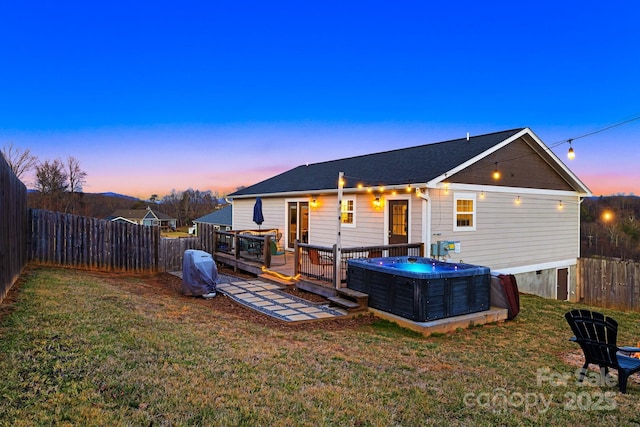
{"points": [[86, 349]]}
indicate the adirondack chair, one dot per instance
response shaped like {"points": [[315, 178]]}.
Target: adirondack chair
{"points": [[275, 251], [597, 334]]}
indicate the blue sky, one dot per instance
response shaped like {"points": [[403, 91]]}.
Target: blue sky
{"points": [[155, 96]]}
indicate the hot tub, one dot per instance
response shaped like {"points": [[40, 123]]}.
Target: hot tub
{"points": [[421, 289]]}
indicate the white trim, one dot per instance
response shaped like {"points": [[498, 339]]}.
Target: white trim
{"points": [[386, 216], [535, 267], [285, 234], [345, 200], [464, 196]]}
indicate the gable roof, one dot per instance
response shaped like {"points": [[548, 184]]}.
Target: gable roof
{"points": [[426, 164], [140, 214], [220, 216]]}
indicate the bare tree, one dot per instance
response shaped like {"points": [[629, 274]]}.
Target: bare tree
{"points": [[75, 175], [51, 182], [21, 161]]}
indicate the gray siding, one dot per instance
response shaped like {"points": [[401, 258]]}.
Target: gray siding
{"points": [[509, 235]]}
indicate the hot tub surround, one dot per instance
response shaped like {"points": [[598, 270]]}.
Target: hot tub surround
{"points": [[421, 289]]}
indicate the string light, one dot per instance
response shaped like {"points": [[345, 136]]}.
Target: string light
{"points": [[496, 173], [571, 154], [482, 194]]}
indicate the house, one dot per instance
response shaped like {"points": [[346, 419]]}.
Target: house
{"points": [[220, 218], [502, 200], [146, 216]]}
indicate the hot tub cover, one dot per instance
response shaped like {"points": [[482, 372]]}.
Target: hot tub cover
{"points": [[199, 273]]}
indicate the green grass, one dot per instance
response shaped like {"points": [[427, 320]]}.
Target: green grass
{"points": [[86, 349]]}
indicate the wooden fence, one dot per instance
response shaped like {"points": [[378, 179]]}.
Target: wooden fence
{"points": [[13, 227], [81, 242], [609, 283]]}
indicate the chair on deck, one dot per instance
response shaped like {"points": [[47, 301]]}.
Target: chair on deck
{"points": [[597, 334], [317, 259], [275, 251], [375, 253]]}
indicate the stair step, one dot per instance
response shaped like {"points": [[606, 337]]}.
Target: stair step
{"points": [[353, 293], [343, 302]]}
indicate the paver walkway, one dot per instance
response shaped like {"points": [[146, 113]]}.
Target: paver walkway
{"points": [[267, 298]]}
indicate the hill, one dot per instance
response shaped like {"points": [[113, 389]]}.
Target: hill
{"points": [[97, 205]]}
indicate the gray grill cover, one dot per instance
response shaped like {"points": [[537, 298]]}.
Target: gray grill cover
{"points": [[199, 273]]}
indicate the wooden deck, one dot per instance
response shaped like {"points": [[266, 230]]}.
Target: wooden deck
{"points": [[280, 272]]}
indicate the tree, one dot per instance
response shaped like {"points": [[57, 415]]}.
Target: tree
{"points": [[75, 175], [21, 161], [51, 182]]}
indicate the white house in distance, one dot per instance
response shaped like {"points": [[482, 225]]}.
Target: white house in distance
{"points": [[148, 217], [504, 200]]}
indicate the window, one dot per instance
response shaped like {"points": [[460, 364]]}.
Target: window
{"points": [[348, 212], [464, 212]]}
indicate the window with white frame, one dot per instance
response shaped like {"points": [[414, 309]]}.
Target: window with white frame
{"points": [[348, 212], [464, 212]]}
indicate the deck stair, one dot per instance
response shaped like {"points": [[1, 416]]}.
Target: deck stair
{"points": [[351, 300]]}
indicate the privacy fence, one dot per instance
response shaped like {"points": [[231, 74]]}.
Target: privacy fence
{"points": [[61, 239], [609, 283], [13, 227]]}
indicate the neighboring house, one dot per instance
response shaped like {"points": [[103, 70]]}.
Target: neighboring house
{"points": [[146, 216], [526, 222], [220, 218]]}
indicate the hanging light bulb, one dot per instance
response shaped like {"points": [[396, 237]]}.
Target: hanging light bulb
{"points": [[571, 154], [560, 205], [496, 173], [518, 200]]}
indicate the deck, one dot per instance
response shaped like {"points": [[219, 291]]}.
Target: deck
{"points": [[280, 271]]}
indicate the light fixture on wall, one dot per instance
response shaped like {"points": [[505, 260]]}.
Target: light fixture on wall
{"points": [[482, 194], [314, 203], [560, 205], [571, 154], [377, 202], [518, 200], [496, 173]]}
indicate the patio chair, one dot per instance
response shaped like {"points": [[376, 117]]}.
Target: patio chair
{"points": [[321, 260], [597, 334], [275, 251]]}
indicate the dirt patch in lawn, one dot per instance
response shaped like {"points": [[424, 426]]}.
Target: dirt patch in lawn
{"points": [[169, 286]]}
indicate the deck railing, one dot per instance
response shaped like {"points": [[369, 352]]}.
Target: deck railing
{"points": [[318, 263]]}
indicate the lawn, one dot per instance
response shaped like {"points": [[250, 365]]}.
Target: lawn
{"points": [[79, 348]]}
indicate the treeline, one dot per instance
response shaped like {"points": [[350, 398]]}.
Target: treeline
{"points": [[187, 205], [610, 227]]}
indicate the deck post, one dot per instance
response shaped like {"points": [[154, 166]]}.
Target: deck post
{"points": [[337, 248], [296, 258]]}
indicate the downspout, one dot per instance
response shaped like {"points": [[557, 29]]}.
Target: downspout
{"points": [[426, 220]]}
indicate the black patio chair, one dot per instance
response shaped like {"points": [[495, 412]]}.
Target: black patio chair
{"points": [[597, 334]]}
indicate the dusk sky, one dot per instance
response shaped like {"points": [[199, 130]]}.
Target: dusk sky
{"points": [[154, 96]]}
